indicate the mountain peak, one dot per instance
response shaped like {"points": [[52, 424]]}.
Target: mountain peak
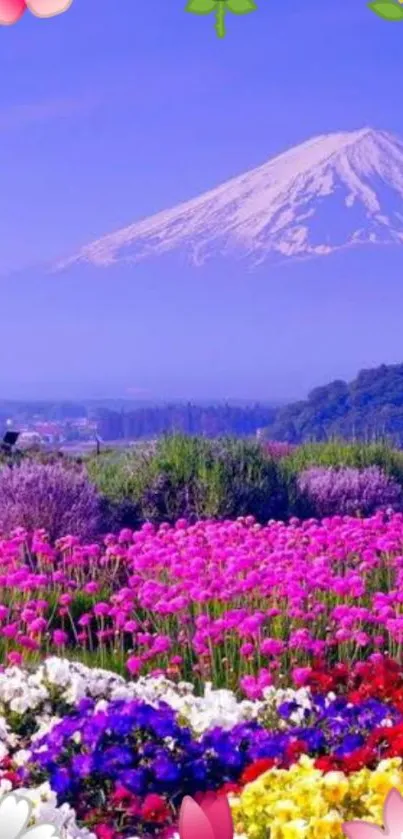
{"points": [[333, 191]]}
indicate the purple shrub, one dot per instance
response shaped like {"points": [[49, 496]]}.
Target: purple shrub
{"points": [[50, 496], [328, 491]]}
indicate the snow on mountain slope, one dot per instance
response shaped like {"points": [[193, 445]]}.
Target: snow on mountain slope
{"points": [[331, 192]]}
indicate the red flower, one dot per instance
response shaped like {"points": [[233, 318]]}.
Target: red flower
{"points": [[154, 808], [104, 831], [358, 759], [295, 750], [326, 764], [256, 769], [121, 795]]}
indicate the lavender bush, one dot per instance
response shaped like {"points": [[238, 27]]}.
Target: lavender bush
{"points": [[50, 496], [328, 491]]}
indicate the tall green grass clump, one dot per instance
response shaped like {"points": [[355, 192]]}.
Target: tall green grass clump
{"points": [[193, 477]]}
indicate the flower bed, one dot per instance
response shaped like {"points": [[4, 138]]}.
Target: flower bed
{"points": [[232, 602], [235, 642], [116, 757]]}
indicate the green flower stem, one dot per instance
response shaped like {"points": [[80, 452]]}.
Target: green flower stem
{"points": [[220, 19]]}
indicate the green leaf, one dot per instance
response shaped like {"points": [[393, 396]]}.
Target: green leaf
{"points": [[387, 9], [241, 7], [201, 7]]}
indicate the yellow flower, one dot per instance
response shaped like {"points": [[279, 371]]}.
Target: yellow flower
{"points": [[381, 782], [328, 826], [285, 810], [335, 786], [304, 803], [296, 829]]}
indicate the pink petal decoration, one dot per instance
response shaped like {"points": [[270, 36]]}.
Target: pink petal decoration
{"points": [[218, 812], [48, 8], [193, 823], [11, 11], [393, 814], [392, 819], [362, 830]]}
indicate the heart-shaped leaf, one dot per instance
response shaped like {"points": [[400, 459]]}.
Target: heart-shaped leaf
{"points": [[201, 7], [241, 7], [387, 9]]}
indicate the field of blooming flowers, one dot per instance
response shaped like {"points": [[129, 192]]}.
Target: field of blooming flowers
{"points": [[260, 662]]}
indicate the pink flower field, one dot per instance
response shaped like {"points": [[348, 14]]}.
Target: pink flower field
{"points": [[232, 602]]}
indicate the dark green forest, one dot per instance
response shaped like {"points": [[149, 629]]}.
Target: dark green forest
{"points": [[368, 408]]}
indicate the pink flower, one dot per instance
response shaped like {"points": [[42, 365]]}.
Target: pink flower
{"points": [[10, 630], [65, 599], [60, 638], [85, 620], [272, 646], [134, 665], [14, 659], [131, 626], [101, 609], [38, 625], [162, 644], [301, 676], [91, 587]]}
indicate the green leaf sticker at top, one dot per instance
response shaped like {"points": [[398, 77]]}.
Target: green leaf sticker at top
{"points": [[241, 7], [387, 9], [201, 7]]}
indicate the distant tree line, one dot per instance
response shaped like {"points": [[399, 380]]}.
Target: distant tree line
{"points": [[209, 421], [368, 408]]}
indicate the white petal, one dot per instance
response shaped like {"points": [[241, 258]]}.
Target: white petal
{"points": [[48, 8], [41, 831], [14, 815]]}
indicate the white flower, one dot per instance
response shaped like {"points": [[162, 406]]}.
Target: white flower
{"points": [[43, 802], [15, 813], [21, 757]]}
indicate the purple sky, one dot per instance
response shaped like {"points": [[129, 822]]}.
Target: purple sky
{"points": [[121, 108]]}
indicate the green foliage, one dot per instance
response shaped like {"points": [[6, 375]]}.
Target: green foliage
{"points": [[241, 7], [369, 408], [201, 7], [193, 477], [220, 9], [341, 453], [387, 9]]}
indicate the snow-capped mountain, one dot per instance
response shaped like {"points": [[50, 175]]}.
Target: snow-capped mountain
{"points": [[331, 192]]}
